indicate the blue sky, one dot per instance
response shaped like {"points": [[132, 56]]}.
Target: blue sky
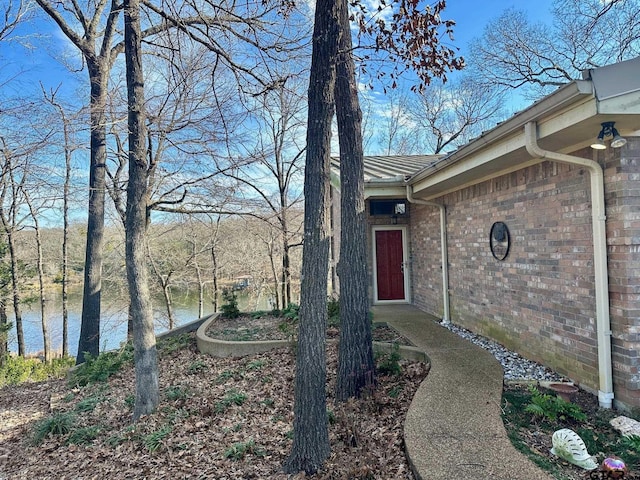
{"points": [[471, 17], [41, 63], [36, 62]]}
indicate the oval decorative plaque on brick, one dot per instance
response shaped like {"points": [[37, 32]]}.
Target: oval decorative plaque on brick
{"points": [[499, 240]]}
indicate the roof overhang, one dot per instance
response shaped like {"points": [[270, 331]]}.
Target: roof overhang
{"points": [[385, 176], [392, 187], [568, 120]]}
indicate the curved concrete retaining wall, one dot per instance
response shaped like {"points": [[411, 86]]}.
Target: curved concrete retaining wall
{"points": [[186, 328], [224, 348]]}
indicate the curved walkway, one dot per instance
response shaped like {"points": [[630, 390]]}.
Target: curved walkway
{"points": [[453, 428]]}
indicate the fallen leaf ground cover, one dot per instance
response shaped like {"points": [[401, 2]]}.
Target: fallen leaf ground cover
{"points": [[218, 419], [266, 326], [232, 419]]}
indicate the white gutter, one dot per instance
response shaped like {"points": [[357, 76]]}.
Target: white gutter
{"points": [[603, 324], [443, 248]]}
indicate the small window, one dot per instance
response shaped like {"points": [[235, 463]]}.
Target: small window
{"points": [[388, 207]]}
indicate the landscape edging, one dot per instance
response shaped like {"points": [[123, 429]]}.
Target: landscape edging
{"points": [[226, 348]]}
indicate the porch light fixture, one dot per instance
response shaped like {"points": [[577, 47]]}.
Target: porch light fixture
{"points": [[608, 130]]}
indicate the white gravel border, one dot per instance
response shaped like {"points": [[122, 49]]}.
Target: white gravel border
{"points": [[515, 366]]}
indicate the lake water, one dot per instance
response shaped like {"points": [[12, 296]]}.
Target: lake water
{"points": [[113, 323]]}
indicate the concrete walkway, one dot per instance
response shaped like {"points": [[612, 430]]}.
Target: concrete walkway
{"points": [[453, 428]]}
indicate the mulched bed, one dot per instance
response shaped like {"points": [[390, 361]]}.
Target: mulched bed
{"points": [[269, 327]]}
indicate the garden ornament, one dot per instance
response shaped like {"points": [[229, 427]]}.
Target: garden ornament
{"points": [[568, 445], [611, 468]]}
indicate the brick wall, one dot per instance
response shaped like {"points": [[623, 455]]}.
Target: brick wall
{"points": [[425, 258], [540, 301], [622, 187]]}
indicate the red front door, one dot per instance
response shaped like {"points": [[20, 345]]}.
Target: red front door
{"points": [[389, 265]]}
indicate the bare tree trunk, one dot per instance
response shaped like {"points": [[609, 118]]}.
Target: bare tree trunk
{"points": [[8, 219], [196, 266], [89, 340], [286, 272], [43, 301], [17, 310], [164, 282], [68, 152], [144, 340], [274, 274], [200, 286], [65, 239], [214, 262], [310, 429], [214, 272], [166, 292], [356, 367], [4, 332]]}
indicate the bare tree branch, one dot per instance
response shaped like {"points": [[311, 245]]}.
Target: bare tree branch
{"points": [[515, 52]]}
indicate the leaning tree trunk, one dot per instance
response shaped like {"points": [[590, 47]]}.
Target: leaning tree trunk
{"points": [[165, 286], [89, 341], [310, 430], [166, 292], [144, 340], [356, 368]]}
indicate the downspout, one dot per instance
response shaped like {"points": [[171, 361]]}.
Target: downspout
{"points": [[603, 324], [443, 247]]}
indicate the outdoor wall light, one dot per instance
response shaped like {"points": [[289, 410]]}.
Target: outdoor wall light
{"points": [[608, 130]]}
